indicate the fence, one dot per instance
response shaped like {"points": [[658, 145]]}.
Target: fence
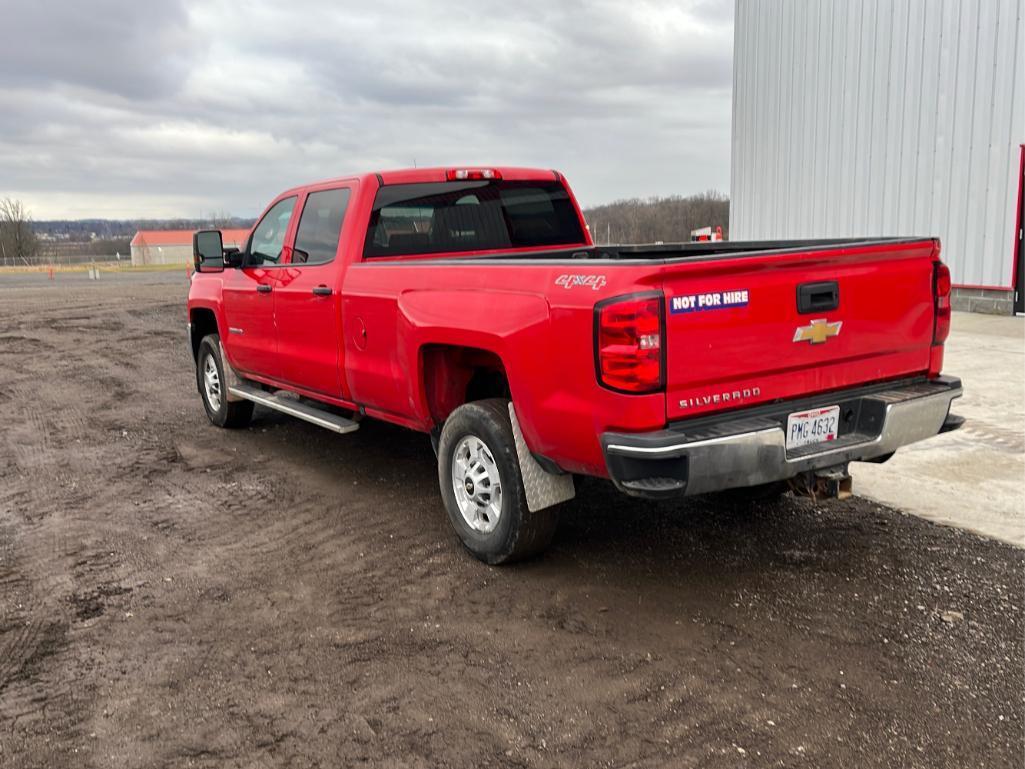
{"points": [[65, 260]]}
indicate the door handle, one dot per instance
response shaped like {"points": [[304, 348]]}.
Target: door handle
{"points": [[322, 290], [263, 288]]}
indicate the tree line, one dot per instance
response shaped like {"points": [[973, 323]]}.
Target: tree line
{"points": [[649, 220], [82, 230]]}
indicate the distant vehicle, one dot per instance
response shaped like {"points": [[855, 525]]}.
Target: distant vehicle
{"points": [[471, 304], [705, 234]]}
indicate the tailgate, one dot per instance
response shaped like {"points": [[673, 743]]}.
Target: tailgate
{"points": [[736, 335]]}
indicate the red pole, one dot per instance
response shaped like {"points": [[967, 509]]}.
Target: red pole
{"points": [[1018, 223]]}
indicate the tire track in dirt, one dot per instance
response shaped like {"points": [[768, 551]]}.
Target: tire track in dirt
{"points": [[56, 565]]}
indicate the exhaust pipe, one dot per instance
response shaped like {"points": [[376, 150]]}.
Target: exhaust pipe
{"points": [[829, 483]]}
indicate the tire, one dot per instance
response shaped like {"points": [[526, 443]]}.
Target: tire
{"points": [[474, 434], [220, 411]]}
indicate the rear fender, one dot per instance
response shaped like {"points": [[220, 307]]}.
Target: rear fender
{"points": [[508, 325]]}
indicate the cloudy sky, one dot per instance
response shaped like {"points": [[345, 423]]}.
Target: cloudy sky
{"points": [[178, 108]]}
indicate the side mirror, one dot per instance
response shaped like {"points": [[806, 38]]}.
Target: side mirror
{"points": [[208, 251]]}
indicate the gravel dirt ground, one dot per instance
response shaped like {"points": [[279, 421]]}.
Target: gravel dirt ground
{"points": [[172, 594]]}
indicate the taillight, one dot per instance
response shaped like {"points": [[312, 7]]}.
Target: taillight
{"points": [[472, 174], [941, 296], [629, 343]]}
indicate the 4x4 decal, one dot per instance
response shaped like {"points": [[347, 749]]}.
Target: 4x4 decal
{"points": [[593, 282]]}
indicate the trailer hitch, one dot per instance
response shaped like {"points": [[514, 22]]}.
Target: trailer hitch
{"points": [[828, 483]]}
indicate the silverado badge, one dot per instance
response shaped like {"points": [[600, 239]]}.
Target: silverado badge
{"points": [[818, 331]]}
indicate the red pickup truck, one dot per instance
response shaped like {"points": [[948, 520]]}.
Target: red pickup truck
{"points": [[472, 305]]}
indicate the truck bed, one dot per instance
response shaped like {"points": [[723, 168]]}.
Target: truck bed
{"points": [[664, 253]]}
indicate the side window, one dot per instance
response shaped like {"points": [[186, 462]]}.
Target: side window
{"points": [[316, 240], [269, 236]]}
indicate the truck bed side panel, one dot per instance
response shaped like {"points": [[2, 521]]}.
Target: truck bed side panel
{"points": [[543, 334]]}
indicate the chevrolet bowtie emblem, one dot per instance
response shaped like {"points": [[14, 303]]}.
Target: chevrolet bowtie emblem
{"points": [[818, 331]]}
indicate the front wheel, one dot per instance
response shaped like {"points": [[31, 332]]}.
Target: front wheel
{"points": [[213, 387], [482, 488]]}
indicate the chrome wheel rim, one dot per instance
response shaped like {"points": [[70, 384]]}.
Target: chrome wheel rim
{"points": [[212, 383], [477, 484]]}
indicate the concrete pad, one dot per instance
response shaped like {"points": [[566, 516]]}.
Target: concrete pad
{"points": [[973, 478]]}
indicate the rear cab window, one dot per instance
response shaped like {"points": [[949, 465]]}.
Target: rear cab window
{"points": [[457, 216]]}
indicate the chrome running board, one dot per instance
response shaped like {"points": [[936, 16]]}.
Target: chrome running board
{"points": [[294, 408]]}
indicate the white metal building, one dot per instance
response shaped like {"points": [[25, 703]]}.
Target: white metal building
{"points": [[884, 117]]}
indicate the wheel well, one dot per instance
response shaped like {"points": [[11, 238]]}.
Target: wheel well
{"points": [[204, 322], [457, 375]]}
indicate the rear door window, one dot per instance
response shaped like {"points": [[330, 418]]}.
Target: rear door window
{"points": [[316, 240], [439, 217]]}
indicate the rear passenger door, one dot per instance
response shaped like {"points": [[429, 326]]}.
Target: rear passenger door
{"points": [[308, 305]]}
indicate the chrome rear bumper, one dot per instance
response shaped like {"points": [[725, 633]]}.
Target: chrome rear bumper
{"points": [[748, 448]]}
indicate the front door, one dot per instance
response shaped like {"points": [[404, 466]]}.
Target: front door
{"points": [[248, 295], [308, 305]]}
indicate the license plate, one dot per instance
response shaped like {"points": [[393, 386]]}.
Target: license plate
{"points": [[815, 426]]}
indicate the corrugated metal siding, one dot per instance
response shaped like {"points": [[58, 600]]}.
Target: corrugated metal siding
{"points": [[881, 117]]}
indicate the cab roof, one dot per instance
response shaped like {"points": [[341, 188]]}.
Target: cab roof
{"points": [[441, 174], [437, 174]]}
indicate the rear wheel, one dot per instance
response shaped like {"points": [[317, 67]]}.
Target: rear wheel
{"points": [[214, 389], [482, 488]]}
